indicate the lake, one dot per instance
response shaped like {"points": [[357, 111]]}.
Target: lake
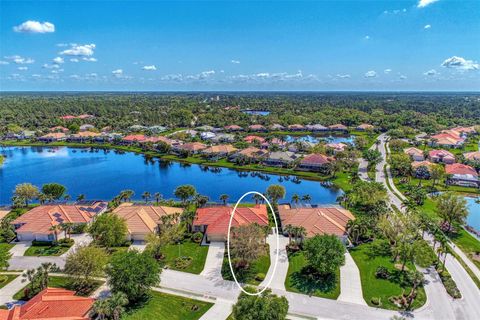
{"points": [[473, 218], [256, 112], [316, 139], [102, 174]]}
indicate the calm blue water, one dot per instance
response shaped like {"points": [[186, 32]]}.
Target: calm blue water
{"points": [[103, 174], [316, 139], [473, 218], [256, 112]]}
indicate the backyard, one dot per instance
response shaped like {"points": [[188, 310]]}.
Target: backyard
{"points": [[194, 256]]}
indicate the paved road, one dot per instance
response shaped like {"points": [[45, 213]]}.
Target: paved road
{"points": [[465, 259], [214, 261], [7, 292], [24, 263], [350, 283], [278, 280]]}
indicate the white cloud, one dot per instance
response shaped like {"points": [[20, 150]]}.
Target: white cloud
{"points": [[74, 60], [402, 77], [343, 76], [431, 72], [149, 68], [89, 59], [427, 26], [117, 72], [424, 3], [20, 60], [79, 50], [4, 62], [370, 74], [460, 63], [367, 37], [387, 71], [58, 60], [50, 66], [235, 61], [35, 27], [22, 68]]}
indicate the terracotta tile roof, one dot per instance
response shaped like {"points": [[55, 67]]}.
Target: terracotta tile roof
{"points": [[365, 126], [472, 156], [416, 164], [316, 159], [296, 127], [459, 168], [320, 220], [51, 304], [338, 126], [59, 128], [251, 139], [440, 154], [233, 127], [252, 152], [256, 127], [54, 135], [68, 117], [336, 146], [448, 137], [40, 219], [134, 138], [143, 219], [192, 146], [466, 130], [217, 218], [413, 151], [86, 134], [221, 148]]}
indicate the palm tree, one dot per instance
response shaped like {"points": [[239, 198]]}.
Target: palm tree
{"points": [[224, 198], [157, 196], [81, 197], [300, 233], [42, 197], [100, 309], [67, 197], [295, 198], [67, 227], [146, 196], [117, 303], [257, 198], [55, 228], [306, 198], [343, 199], [289, 230], [126, 194]]}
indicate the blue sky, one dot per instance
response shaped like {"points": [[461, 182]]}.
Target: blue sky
{"points": [[240, 45]]}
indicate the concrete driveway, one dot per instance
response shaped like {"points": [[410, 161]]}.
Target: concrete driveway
{"points": [[213, 264], [19, 248], [278, 280], [79, 240], [350, 284], [7, 292]]}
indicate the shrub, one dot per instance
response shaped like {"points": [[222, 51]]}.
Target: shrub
{"points": [[3, 278], [382, 273], [79, 228], [450, 285], [183, 262], [41, 243], [376, 301], [260, 276], [66, 242], [197, 237]]}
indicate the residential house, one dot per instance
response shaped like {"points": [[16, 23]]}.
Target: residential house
{"points": [[190, 147], [191, 133], [315, 162], [296, 127], [84, 136], [441, 156], [462, 175], [58, 129], [300, 146], [36, 224], [86, 127], [317, 220], [133, 139], [219, 151], [137, 128], [233, 128], [472, 156], [465, 130], [205, 128], [315, 127], [418, 164], [156, 129], [51, 304], [280, 158], [447, 139], [251, 154], [415, 154], [336, 147], [223, 137], [365, 127], [143, 220], [338, 127], [207, 135], [257, 128], [68, 117], [214, 221], [85, 116], [277, 127], [53, 137], [277, 142], [253, 139]]}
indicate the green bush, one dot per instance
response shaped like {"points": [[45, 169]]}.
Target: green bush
{"points": [[197, 237], [376, 301], [66, 242], [382, 273], [79, 228], [450, 285], [260, 276], [36, 243], [3, 278], [183, 262]]}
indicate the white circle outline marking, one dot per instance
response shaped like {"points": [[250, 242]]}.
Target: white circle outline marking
{"points": [[277, 249]]}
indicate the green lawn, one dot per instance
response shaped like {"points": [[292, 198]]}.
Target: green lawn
{"points": [[298, 279], [6, 246], [467, 243], [54, 250], [191, 249], [380, 288], [6, 279], [163, 306], [261, 265], [57, 282]]}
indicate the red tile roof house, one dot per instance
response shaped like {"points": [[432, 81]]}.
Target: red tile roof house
{"points": [[338, 127], [84, 136], [213, 221], [51, 304], [315, 162], [462, 175], [277, 127], [58, 129], [250, 154], [365, 127], [252, 139], [142, 220], [465, 130], [190, 148], [36, 223], [296, 127], [318, 220], [415, 154], [133, 139], [442, 156], [53, 136], [233, 128], [336, 147], [219, 151], [448, 139], [472, 156], [417, 164], [257, 128], [68, 117]]}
